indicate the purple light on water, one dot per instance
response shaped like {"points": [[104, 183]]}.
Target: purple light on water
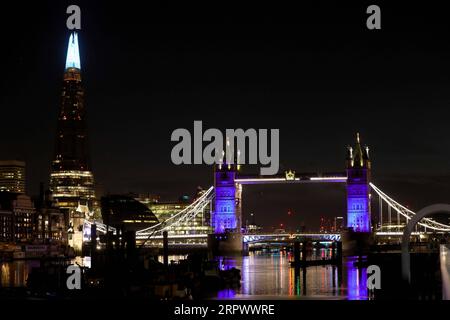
{"points": [[226, 294], [356, 281], [227, 263]]}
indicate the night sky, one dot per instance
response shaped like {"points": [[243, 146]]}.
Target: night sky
{"points": [[316, 73]]}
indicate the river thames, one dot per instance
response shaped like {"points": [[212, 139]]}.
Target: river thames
{"points": [[264, 275], [270, 276]]}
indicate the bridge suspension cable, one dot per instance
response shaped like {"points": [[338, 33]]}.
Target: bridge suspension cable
{"points": [[101, 227], [191, 211], [183, 216], [401, 210]]}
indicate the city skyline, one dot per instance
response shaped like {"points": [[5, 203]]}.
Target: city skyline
{"points": [[208, 160], [133, 94]]}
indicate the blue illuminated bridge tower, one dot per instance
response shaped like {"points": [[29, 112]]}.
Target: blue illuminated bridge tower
{"points": [[357, 237], [227, 214], [358, 192]]}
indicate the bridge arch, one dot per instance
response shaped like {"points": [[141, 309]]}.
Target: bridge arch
{"points": [[425, 212]]}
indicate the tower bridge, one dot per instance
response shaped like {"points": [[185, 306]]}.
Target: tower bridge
{"points": [[225, 199], [228, 186]]}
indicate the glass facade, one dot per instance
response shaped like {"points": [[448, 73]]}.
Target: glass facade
{"points": [[12, 176], [126, 213], [71, 186], [200, 224]]}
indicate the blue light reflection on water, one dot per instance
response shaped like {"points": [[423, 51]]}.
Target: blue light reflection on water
{"points": [[270, 275], [356, 280], [263, 274]]}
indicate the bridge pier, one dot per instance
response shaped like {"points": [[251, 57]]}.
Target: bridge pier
{"points": [[245, 249], [296, 252], [226, 244], [226, 217], [355, 243]]}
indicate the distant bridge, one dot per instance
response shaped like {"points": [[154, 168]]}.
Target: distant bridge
{"points": [[287, 237]]}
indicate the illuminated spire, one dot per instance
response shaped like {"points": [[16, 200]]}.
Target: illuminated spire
{"points": [[73, 52], [358, 157]]}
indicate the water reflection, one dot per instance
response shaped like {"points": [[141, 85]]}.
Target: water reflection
{"points": [[270, 275], [15, 273], [267, 274], [356, 280], [173, 258]]}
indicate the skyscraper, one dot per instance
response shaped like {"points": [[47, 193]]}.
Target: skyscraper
{"points": [[71, 178]]}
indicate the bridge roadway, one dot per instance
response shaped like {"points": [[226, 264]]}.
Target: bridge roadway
{"points": [[201, 239], [340, 177], [250, 238]]}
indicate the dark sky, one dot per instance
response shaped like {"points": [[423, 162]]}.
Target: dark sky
{"points": [[315, 72]]}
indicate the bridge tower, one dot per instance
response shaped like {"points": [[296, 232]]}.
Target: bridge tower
{"points": [[226, 216], [358, 197]]}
